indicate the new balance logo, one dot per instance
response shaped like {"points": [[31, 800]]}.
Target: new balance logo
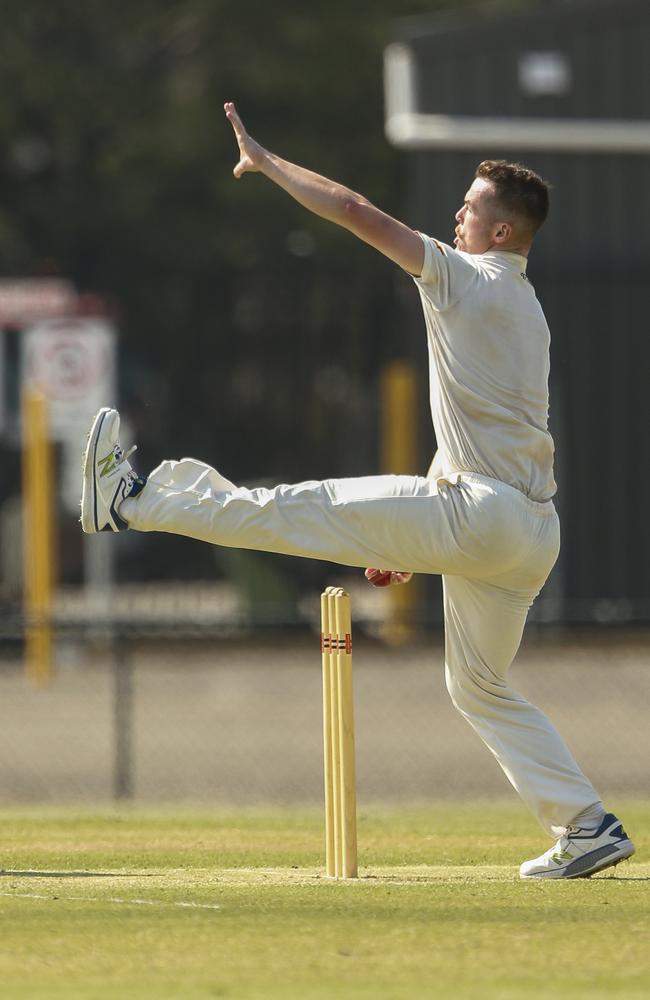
{"points": [[106, 465]]}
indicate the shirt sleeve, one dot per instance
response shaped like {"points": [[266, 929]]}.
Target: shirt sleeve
{"points": [[446, 274]]}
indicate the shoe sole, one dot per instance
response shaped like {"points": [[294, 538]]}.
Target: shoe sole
{"points": [[623, 851], [89, 521], [589, 865]]}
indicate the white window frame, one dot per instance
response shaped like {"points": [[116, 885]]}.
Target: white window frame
{"points": [[407, 128]]}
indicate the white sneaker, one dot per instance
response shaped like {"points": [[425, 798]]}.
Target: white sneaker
{"points": [[107, 475], [579, 853]]}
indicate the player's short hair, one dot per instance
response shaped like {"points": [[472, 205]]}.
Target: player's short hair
{"points": [[518, 189]]}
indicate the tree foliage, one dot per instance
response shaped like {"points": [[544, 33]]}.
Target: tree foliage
{"points": [[247, 325]]}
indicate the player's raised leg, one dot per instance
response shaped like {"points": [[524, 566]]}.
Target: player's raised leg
{"points": [[385, 519], [410, 523]]}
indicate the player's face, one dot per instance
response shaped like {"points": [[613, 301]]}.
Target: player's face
{"points": [[476, 225]]}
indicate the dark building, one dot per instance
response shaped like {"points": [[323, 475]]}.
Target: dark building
{"points": [[565, 88]]}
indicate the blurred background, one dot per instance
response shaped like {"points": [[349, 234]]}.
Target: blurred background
{"points": [[228, 324]]}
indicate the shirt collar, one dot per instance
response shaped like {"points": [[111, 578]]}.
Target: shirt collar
{"points": [[516, 260]]}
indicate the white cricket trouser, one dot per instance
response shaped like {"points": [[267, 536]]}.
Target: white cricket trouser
{"points": [[493, 547]]}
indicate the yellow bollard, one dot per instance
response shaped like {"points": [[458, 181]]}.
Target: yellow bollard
{"points": [[399, 456], [38, 560], [398, 429]]}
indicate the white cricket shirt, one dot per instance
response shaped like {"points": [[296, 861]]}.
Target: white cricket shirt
{"points": [[488, 367]]}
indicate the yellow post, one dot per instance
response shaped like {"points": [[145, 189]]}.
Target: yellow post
{"points": [[399, 456], [398, 430], [38, 559]]}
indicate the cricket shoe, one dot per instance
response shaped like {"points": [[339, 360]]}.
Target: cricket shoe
{"points": [[579, 853], [108, 477]]}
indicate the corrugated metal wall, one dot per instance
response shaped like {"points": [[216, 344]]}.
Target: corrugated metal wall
{"points": [[589, 266]]}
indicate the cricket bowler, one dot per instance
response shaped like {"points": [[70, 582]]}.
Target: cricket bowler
{"points": [[483, 517]]}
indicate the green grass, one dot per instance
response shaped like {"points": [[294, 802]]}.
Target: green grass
{"points": [[144, 904]]}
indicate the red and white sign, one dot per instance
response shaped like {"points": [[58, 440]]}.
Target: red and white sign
{"points": [[24, 300], [72, 362]]}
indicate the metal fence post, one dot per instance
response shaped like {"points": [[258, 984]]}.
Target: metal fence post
{"points": [[122, 719]]}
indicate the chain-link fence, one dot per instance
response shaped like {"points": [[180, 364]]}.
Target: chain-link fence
{"points": [[178, 706]]}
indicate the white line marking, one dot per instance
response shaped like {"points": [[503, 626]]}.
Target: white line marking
{"points": [[112, 899]]}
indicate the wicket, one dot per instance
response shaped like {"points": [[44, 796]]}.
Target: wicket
{"points": [[338, 735]]}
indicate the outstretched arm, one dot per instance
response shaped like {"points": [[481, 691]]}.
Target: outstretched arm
{"points": [[330, 200]]}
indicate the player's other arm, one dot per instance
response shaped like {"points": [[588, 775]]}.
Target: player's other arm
{"points": [[330, 200]]}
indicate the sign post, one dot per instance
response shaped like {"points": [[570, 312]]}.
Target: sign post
{"points": [[38, 548], [71, 361]]}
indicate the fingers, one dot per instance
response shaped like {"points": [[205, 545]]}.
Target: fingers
{"points": [[241, 136], [378, 577], [240, 168], [386, 577], [233, 118]]}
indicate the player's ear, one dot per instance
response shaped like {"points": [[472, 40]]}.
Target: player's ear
{"points": [[503, 232]]}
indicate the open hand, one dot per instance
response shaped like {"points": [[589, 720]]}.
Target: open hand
{"points": [[251, 153], [385, 577]]}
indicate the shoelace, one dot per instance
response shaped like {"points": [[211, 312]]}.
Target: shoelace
{"points": [[123, 456], [564, 840]]}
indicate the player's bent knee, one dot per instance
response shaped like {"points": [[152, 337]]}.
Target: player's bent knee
{"points": [[468, 692], [456, 692]]}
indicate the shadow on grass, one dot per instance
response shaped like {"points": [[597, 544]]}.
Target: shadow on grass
{"points": [[624, 878], [33, 874]]}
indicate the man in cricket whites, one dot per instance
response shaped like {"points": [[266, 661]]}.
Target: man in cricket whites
{"points": [[483, 518]]}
